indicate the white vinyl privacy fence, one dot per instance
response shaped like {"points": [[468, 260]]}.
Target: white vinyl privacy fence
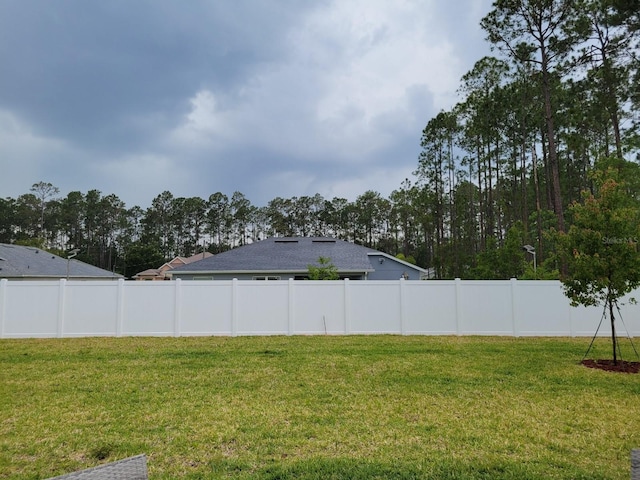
{"points": [[190, 308]]}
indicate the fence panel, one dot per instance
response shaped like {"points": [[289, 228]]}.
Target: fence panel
{"points": [[206, 308], [486, 308], [630, 310], [375, 307], [30, 309], [90, 309], [262, 307], [319, 308], [430, 311], [541, 309], [149, 309]]}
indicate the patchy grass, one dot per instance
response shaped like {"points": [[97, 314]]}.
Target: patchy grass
{"points": [[356, 407]]}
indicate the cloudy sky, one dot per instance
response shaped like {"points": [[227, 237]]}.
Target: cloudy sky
{"points": [[266, 97]]}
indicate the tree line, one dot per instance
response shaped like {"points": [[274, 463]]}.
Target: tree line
{"points": [[129, 240], [499, 170], [558, 103]]}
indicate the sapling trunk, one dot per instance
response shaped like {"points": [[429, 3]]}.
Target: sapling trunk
{"points": [[613, 330]]}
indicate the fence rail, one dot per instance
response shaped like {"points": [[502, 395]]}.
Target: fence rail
{"points": [[230, 308]]}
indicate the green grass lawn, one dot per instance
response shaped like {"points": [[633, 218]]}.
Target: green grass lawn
{"points": [[316, 408]]}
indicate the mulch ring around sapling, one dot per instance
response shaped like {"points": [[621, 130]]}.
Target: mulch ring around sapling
{"points": [[622, 366]]}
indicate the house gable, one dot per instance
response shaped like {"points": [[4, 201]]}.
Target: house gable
{"points": [[388, 267], [161, 272]]}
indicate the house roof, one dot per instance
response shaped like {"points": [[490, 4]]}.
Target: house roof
{"points": [[20, 262], [150, 272], [178, 261], [286, 254], [161, 272]]}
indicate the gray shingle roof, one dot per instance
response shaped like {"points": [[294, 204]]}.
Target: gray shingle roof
{"points": [[21, 262], [286, 255]]}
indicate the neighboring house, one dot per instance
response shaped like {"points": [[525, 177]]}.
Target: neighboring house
{"points": [[162, 272], [30, 263], [290, 257]]}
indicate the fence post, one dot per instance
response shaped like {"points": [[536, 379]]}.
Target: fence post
{"points": [[120, 307], [3, 303], [177, 323], [234, 307], [61, 305], [403, 309], [514, 309], [458, 307], [572, 328], [635, 464], [347, 307], [291, 308]]}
